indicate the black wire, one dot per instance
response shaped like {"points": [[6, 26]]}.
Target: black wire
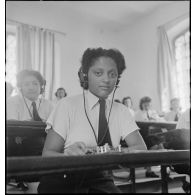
{"points": [[107, 121], [82, 180], [88, 118]]}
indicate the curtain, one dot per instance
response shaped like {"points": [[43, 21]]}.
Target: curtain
{"points": [[36, 50], [166, 70]]}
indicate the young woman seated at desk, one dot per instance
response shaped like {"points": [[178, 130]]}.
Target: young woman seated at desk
{"points": [[89, 120]]}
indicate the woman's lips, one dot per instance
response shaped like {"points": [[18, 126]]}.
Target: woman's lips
{"points": [[105, 87]]}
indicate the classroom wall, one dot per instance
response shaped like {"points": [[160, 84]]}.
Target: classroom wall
{"points": [[79, 36], [140, 50], [138, 43]]}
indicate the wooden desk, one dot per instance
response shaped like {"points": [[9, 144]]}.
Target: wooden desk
{"points": [[31, 168], [33, 136], [147, 124], [25, 128], [149, 129], [38, 165]]}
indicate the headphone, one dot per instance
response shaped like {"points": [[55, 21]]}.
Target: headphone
{"points": [[43, 86], [34, 73], [84, 79]]}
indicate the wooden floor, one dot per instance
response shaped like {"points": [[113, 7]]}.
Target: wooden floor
{"points": [[143, 184]]}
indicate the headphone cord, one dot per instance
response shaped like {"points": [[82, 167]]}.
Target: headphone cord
{"points": [[88, 117], [108, 116]]}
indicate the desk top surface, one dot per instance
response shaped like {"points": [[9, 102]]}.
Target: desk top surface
{"points": [[45, 165], [11, 123]]}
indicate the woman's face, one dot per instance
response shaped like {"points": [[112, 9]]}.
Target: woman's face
{"points": [[128, 103], [102, 77], [61, 93], [31, 87], [146, 106], [175, 105]]}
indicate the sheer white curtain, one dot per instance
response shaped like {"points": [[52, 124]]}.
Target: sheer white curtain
{"points": [[36, 50], [166, 70]]}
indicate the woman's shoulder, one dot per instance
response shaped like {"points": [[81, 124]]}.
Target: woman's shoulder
{"points": [[119, 106]]}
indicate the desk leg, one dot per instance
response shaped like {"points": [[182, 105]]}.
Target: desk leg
{"points": [[164, 177], [132, 179]]}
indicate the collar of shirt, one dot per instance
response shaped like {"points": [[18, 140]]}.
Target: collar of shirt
{"points": [[29, 102], [93, 100]]}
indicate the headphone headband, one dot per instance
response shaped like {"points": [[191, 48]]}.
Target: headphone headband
{"points": [[84, 79]]}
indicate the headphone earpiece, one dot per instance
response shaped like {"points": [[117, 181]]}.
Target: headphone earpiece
{"points": [[83, 79], [43, 86], [117, 82]]}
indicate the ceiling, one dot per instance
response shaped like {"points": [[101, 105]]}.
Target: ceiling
{"points": [[102, 13]]}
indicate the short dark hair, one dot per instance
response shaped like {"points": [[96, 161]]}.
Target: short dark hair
{"points": [[117, 100], [26, 72], [90, 55], [61, 88], [174, 99], [126, 98], [144, 100]]}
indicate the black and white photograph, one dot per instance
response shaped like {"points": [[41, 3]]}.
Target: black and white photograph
{"points": [[97, 97]]}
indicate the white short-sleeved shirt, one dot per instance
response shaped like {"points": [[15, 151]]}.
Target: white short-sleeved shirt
{"points": [[170, 116], [68, 119], [184, 120], [19, 108]]}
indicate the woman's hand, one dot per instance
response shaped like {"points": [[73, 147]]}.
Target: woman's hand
{"points": [[78, 148]]}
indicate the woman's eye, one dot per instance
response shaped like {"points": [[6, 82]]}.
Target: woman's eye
{"points": [[98, 73], [113, 74], [35, 83]]}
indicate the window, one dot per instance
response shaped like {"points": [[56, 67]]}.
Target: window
{"points": [[11, 63], [182, 56]]}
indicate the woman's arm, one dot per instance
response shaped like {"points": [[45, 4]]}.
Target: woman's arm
{"points": [[135, 141], [54, 146]]}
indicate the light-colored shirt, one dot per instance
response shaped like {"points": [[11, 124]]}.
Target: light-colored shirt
{"points": [[170, 116], [150, 115], [184, 120], [69, 120], [132, 112], [20, 108]]}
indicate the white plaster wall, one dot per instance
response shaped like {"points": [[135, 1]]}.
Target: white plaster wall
{"points": [[138, 43]]}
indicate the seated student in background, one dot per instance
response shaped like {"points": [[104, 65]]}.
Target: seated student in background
{"points": [[175, 112], [29, 104], [184, 123], [60, 93], [184, 120], [127, 101], [89, 120], [146, 113]]}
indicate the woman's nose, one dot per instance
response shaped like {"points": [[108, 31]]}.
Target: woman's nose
{"points": [[106, 78]]}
